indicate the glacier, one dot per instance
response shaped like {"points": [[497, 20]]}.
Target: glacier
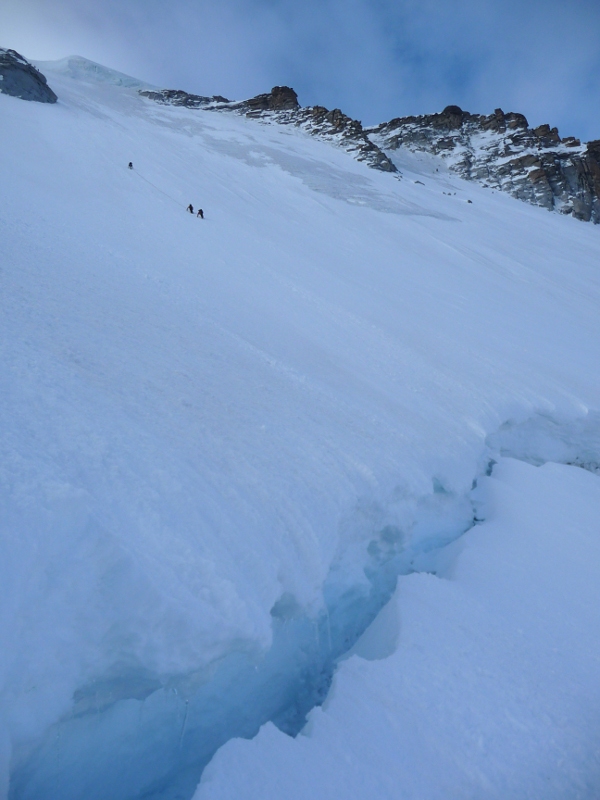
{"points": [[228, 443]]}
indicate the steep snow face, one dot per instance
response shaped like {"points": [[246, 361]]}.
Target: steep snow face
{"points": [[224, 438]]}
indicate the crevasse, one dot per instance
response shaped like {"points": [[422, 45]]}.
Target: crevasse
{"points": [[136, 735]]}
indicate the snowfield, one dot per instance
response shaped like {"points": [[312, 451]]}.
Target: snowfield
{"points": [[223, 440]]}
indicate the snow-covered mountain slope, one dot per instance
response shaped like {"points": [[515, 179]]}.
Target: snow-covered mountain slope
{"points": [[499, 150], [223, 439]]}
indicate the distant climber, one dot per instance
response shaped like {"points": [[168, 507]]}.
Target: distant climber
{"points": [[200, 213], [130, 165], [190, 208]]}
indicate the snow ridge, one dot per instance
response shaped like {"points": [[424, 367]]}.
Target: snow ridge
{"points": [[83, 69]]}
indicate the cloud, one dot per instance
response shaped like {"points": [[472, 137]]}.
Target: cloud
{"points": [[373, 58]]}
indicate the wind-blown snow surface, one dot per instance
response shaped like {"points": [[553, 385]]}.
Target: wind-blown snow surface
{"points": [[223, 435]]}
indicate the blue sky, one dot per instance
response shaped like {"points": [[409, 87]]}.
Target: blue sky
{"points": [[375, 59]]}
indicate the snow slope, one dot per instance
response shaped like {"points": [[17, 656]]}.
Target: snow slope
{"points": [[223, 439]]}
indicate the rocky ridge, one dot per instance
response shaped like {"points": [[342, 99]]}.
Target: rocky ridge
{"points": [[176, 97], [280, 105], [503, 152], [19, 78]]}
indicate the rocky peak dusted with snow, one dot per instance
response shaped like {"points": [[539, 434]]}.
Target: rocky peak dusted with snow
{"points": [[281, 105], [280, 98], [502, 151], [19, 78], [349, 133]]}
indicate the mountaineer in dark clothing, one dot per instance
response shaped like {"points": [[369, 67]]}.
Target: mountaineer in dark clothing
{"points": [[200, 213], [130, 165], [190, 208]]}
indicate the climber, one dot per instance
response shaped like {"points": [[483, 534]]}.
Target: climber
{"points": [[130, 165], [190, 208], [200, 213]]}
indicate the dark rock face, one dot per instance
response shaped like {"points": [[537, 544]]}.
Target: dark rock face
{"points": [[280, 98], [19, 78], [175, 97], [281, 105], [502, 151]]}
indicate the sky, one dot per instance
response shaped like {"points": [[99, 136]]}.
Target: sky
{"points": [[374, 59]]}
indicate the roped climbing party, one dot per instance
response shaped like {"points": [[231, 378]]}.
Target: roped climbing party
{"points": [[190, 208], [200, 213]]}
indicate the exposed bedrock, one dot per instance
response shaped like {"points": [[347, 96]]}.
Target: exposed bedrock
{"points": [[177, 97], [502, 151], [19, 78]]}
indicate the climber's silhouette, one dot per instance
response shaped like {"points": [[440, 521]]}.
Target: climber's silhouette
{"points": [[200, 213], [190, 208], [130, 165]]}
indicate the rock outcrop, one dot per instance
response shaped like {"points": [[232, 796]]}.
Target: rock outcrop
{"points": [[280, 98], [348, 133], [19, 78], [502, 151], [176, 97], [280, 105]]}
